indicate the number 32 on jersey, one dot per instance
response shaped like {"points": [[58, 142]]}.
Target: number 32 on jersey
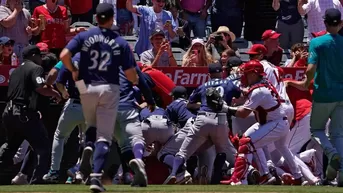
{"points": [[99, 60]]}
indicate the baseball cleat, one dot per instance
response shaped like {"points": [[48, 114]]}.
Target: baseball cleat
{"points": [[20, 179], [170, 180], [267, 179], [253, 177], [183, 177], [140, 177], [96, 185], [333, 166], [127, 178], [78, 177], [85, 163], [203, 175], [272, 171], [69, 180], [300, 182], [72, 171], [52, 176]]}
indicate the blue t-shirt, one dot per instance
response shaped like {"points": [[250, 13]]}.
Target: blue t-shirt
{"points": [[59, 65], [128, 93], [288, 12], [225, 87], [326, 52], [65, 77], [102, 52], [178, 113]]}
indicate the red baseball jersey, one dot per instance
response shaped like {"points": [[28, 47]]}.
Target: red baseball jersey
{"points": [[79, 6], [54, 34]]}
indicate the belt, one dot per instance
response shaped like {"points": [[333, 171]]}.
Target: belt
{"points": [[191, 13], [208, 114], [76, 101]]}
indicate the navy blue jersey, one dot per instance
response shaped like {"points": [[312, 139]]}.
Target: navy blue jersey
{"points": [[145, 113], [103, 51], [65, 77], [225, 87], [127, 92], [178, 113], [138, 95]]}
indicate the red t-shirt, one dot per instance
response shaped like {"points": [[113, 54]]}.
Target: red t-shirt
{"points": [[300, 63], [121, 4], [54, 34], [301, 101], [79, 6], [276, 57]]}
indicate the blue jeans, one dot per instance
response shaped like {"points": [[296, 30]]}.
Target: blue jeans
{"points": [[196, 24]]}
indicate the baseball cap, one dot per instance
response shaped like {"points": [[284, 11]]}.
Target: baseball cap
{"points": [[30, 51], [234, 61], [320, 33], [43, 47], [104, 11], [4, 40], [157, 32], [257, 49], [179, 91], [332, 16], [198, 41], [270, 34], [215, 68]]}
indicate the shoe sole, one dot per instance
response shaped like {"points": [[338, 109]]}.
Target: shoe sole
{"points": [[85, 164], [139, 173], [170, 180], [96, 189], [269, 181]]}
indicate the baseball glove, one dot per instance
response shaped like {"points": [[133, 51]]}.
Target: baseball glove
{"points": [[214, 100]]}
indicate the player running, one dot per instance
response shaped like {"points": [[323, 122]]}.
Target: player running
{"points": [[102, 53]]}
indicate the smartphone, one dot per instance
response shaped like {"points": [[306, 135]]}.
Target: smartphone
{"points": [[195, 52], [168, 22], [218, 38]]}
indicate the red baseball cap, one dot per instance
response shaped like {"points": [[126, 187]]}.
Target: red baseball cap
{"points": [[43, 47], [320, 33], [270, 34], [257, 49]]}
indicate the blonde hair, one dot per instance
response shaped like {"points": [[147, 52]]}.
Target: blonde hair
{"points": [[205, 59]]}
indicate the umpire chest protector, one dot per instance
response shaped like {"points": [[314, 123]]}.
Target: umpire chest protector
{"points": [[260, 112]]}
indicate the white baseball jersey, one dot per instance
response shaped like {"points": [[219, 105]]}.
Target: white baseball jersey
{"points": [[264, 104]]}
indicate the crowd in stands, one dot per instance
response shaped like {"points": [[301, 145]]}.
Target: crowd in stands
{"points": [[203, 31]]}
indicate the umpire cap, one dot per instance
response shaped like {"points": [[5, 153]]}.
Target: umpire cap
{"points": [[31, 50], [179, 92], [104, 11]]}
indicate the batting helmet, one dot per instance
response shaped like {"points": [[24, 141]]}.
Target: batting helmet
{"points": [[253, 66]]}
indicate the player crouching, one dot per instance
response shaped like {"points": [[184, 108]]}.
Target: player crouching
{"points": [[271, 126]]}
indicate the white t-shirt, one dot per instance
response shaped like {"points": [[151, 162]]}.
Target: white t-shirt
{"points": [[262, 97], [159, 22]]}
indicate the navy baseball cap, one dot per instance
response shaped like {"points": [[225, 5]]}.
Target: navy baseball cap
{"points": [[30, 51], [234, 61], [104, 11], [4, 40], [215, 68], [157, 32], [332, 16], [179, 91]]}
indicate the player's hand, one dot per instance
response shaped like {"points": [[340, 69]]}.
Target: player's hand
{"points": [[75, 75], [143, 105], [65, 95], [57, 98], [152, 107]]}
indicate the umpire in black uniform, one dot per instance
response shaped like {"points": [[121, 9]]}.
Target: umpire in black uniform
{"points": [[21, 118]]}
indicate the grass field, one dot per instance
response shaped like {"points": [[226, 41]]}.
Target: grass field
{"points": [[183, 189]]}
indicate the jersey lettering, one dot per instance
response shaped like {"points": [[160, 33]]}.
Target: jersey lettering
{"points": [[104, 59]]}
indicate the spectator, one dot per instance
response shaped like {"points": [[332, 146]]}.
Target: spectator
{"points": [[231, 65], [228, 53], [6, 51], [195, 12], [314, 9], [57, 25], [15, 23], [289, 24], [152, 18], [81, 10], [124, 18], [229, 14], [299, 53], [161, 53], [181, 40], [197, 55], [271, 42], [219, 41]]}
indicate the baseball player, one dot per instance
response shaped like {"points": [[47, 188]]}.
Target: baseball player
{"points": [[102, 53], [70, 118], [128, 125], [208, 125], [272, 123]]}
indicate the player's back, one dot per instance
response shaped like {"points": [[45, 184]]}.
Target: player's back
{"points": [[101, 55], [178, 113], [225, 87], [127, 91]]}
